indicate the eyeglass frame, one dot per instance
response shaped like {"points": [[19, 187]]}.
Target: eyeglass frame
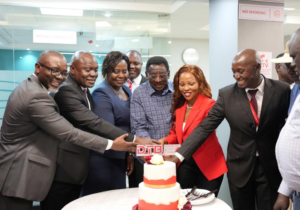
{"points": [[63, 74], [161, 76]]}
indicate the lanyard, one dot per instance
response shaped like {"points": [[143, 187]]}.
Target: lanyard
{"points": [[256, 119]]}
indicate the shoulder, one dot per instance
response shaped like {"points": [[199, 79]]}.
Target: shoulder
{"points": [[278, 84], [141, 89], [102, 87]]}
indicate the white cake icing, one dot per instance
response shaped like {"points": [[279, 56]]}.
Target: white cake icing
{"points": [[164, 171], [159, 196]]}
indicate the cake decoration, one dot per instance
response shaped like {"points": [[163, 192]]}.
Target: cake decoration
{"points": [[183, 203]]}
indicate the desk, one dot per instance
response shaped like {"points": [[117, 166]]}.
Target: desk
{"points": [[124, 200]]}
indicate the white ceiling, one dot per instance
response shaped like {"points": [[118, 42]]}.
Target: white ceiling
{"points": [[130, 18]]}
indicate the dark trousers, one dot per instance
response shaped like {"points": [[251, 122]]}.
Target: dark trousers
{"points": [[256, 194], [59, 195], [189, 175], [104, 174], [137, 175], [12, 203]]}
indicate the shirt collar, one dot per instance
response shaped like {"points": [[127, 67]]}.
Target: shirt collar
{"points": [[137, 80], [260, 87], [169, 88]]}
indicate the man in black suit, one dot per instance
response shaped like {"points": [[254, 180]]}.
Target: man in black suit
{"points": [[75, 104], [135, 76], [255, 108]]}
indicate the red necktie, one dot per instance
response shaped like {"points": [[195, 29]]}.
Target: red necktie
{"points": [[130, 85], [253, 99]]}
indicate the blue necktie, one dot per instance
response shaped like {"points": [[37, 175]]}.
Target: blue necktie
{"points": [[295, 92]]}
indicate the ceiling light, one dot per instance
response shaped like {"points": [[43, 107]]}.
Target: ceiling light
{"points": [[289, 9], [107, 15], [135, 40], [20, 57], [102, 24], [169, 42], [63, 12], [97, 45], [91, 50], [28, 49]]}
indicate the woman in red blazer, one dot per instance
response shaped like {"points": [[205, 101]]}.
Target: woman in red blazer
{"points": [[191, 104]]}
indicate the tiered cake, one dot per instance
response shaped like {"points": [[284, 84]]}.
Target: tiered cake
{"points": [[159, 191]]}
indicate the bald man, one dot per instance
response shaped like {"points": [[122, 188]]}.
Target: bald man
{"points": [[75, 104], [30, 133], [255, 108]]}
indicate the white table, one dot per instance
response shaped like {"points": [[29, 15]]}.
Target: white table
{"points": [[124, 200]]}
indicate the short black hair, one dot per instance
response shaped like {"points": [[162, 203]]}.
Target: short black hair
{"points": [[157, 60], [111, 61]]}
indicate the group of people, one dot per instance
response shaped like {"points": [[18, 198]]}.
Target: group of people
{"points": [[59, 141]]}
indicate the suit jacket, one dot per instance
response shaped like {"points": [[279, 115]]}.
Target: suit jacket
{"points": [[209, 156], [73, 161], [144, 79], [31, 130], [244, 140], [108, 106]]}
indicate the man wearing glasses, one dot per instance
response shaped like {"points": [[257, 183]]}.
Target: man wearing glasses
{"points": [[150, 105], [76, 105], [31, 130]]}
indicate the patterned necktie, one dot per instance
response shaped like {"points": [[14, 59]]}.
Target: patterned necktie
{"points": [[87, 98], [130, 85], [294, 93], [253, 99]]}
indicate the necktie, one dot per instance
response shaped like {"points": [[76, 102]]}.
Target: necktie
{"points": [[86, 96], [253, 99], [130, 84]]}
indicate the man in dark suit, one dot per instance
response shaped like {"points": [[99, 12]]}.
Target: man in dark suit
{"points": [[75, 104], [135, 76], [30, 133], [255, 108]]}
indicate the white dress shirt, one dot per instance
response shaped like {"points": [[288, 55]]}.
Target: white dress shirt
{"points": [[135, 82], [288, 152]]}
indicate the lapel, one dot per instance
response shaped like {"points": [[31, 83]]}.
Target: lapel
{"points": [[268, 94], [241, 97], [80, 91], [90, 99], [179, 122], [194, 112]]}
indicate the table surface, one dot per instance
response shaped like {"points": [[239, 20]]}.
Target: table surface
{"points": [[125, 199]]}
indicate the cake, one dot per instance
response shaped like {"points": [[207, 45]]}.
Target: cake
{"points": [[159, 191]]}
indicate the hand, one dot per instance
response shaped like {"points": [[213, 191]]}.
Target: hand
{"points": [[282, 202], [162, 141], [145, 141], [172, 158], [119, 144], [130, 164]]}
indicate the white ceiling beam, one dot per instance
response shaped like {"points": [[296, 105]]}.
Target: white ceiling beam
{"points": [[98, 5]]}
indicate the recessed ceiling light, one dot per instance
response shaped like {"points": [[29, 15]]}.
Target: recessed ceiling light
{"points": [[289, 9], [28, 49], [97, 45], [107, 15], [169, 42], [135, 40], [20, 57], [62, 12], [102, 24]]}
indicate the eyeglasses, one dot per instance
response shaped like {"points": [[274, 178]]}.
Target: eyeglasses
{"points": [[55, 72], [161, 76]]}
